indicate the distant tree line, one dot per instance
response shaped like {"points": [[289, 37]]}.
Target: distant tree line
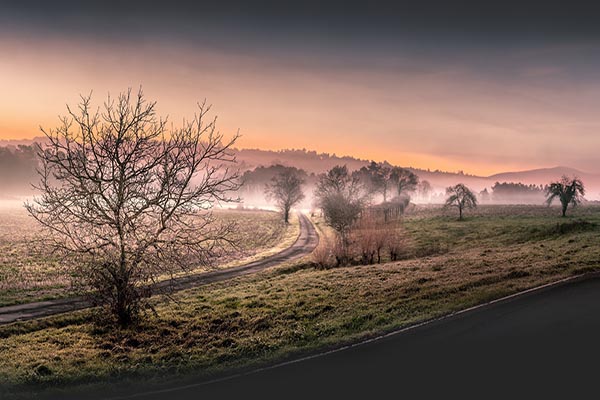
{"points": [[17, 170], [255, 181], [513, 193]]}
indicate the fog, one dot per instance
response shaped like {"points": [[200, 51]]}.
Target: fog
{"points": [[257, 168]]}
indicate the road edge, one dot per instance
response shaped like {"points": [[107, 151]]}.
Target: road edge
{"points": [[431, 321]]}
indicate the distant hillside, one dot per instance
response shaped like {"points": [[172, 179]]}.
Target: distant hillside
{"points": [[543, 175], [309, 161], [440, 180], [21, 142], [315, 163]]}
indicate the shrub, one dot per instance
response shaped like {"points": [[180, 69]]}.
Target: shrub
{"points": [[322, 256]]}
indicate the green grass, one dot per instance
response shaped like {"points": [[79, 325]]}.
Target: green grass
{"points": [[284, 312]]}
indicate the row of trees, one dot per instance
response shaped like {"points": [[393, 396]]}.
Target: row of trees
{"points": [[569, 191], [391, 182], [393, 185], [343, 198], [17, 169], [513, 192]]}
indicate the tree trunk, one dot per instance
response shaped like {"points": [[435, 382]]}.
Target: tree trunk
{"points": [[122, 302], [460, 213], [286, 215], [564, 210]]}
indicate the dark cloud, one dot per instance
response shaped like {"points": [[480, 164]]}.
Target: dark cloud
{"points": [[465, 20], [513, 79]]}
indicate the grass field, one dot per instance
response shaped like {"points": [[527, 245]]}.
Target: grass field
{"points": [[294, 309], [29, 272]]}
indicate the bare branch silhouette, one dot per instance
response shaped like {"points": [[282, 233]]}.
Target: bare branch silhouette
{"points": [[130, 199]]}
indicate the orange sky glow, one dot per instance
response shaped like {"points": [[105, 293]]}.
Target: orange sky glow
{"points": [[409, 112]]}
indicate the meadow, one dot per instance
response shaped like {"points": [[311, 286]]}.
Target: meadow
{"points": [[296, 309], [30, 272]]}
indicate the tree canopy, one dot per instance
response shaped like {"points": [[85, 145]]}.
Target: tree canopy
{"points": [[129, 198], [461, 197], [569, 191], [285, 189]]}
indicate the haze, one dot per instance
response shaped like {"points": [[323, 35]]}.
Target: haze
{"points": [[435, 89]]}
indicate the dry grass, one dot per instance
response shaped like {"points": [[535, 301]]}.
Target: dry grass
{"points": [[29, 272], [289, 311]]}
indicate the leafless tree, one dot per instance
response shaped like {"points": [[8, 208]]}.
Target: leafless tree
{"points": [[286, 190], [395, 240], [372, 237], [404, 180], [424, 190], [567, 190], [377, 178], [323, 254], [461, 197], [382, 178], [341, 197], [129, 199]]}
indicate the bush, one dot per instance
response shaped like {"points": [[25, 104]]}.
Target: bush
{"points": [[322, 256], [395, 242], [371, 237]]}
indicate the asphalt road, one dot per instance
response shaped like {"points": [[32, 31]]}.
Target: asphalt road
{"points": [[305, 243], [546, 345]]}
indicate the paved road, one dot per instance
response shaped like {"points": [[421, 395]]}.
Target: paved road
{"points": [[305, 244], [546, 345]]}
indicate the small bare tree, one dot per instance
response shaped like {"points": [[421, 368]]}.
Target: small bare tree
{"points": [[372, 237], [396, 240], [567, 190], [461, 197], [341, 197], [286, 190], [129, 199], [424, 190]]}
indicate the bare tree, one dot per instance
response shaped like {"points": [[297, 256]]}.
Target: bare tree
{"points": [[129, 199], [286, 190], [341, 197], [461, 197], [568, 190], [372, 237], [384, 179], [395, 240], [404, 180], [376, 178], [424, 190]]}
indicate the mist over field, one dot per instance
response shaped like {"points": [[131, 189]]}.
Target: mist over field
{"points": [[314, 199], [258, 167]]}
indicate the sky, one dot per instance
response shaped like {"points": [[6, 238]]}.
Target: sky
{"points": [[442, 85]]}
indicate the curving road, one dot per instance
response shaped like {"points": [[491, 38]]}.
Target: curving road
{"points": [[305, 243], [545, 345]]}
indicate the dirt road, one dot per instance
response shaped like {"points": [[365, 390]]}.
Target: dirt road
{"points": [[305, 244]]}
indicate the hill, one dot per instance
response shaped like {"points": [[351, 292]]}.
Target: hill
{"points": [[315, 163]]}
